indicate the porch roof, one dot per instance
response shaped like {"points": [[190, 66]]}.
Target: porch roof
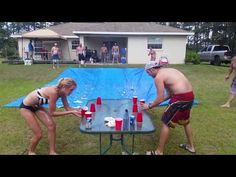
{"points": [[42, 33]]}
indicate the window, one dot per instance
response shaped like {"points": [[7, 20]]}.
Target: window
{"points": [[74, 44], [204, 49], [154, 42], [209, 48], [38, 45], [219, 48]]}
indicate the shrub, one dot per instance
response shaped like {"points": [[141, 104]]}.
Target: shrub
{"points": [[10, 51], [192, 57]]}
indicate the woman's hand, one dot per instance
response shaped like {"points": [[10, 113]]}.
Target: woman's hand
{"points": [[144, 106]]}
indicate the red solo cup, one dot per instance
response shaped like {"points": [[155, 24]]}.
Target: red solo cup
{"points": [[99, 101], [118, 123], [84, 109], [88, 114], [142, 101], [135, 108], [135, 99], [92, 107], [139, 117]]}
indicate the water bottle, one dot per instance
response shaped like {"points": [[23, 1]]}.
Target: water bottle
{"points": [[126, 120], [88, 124], [132, 122]]}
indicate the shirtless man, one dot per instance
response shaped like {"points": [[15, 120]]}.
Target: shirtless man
{"points": [[55, 51], [103, 52], [115, 52], [232, 69], [152, 53], [180, 92], [80, 53]]}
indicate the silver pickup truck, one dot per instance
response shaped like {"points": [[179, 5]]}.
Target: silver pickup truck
{"points": [[215, 54]]}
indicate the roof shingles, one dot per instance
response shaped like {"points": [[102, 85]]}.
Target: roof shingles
{"points": [[66, 29]]}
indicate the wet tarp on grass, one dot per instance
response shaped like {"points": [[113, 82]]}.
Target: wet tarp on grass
{"points": [[107, 83]]}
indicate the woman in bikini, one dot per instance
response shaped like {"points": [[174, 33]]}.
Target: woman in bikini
{"points": [[32, 109]]}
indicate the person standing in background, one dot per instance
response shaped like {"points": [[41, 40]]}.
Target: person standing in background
{"points": [[31, 50], [55, 51], [232, 68], [103, 53], [152, 54], [80, 54], [115, 53]]}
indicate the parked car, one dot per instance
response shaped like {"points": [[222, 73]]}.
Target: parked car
{"points": [[215, 54]]}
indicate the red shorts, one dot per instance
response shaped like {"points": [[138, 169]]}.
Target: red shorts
{"points": [[179, 112]]}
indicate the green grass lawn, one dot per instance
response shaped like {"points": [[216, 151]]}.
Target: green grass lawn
{"points": [[214, 128]]}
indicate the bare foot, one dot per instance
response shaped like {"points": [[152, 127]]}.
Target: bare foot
{"points": [[225, 106], [53, 153], [31, 153]]}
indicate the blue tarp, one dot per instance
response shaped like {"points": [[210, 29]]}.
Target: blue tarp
{"points": [[108, 83]]}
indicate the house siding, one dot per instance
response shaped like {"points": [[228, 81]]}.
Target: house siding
{"points": [[137, 50], [173, 47]]}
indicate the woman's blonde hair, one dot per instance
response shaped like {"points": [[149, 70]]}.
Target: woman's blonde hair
{"points": [[66, 82]]}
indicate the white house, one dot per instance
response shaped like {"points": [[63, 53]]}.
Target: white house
{"points": [[133, 37]]}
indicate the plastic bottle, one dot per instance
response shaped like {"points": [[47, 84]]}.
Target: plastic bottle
{"points": [[88, 124], [126, 120]]}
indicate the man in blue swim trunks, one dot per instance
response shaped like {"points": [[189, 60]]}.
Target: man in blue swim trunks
{"points": [[55, 51]]}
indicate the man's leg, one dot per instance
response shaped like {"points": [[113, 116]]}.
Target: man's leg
{"points": [[58, 63], [189, 135], [53, 63], [230, 99], [31, 55], [164, 134], [104, 61], [102, 58], [113, 58]]}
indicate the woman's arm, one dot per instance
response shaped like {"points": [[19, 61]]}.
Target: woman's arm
{"points": [[54, 113], [68, 108]]}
